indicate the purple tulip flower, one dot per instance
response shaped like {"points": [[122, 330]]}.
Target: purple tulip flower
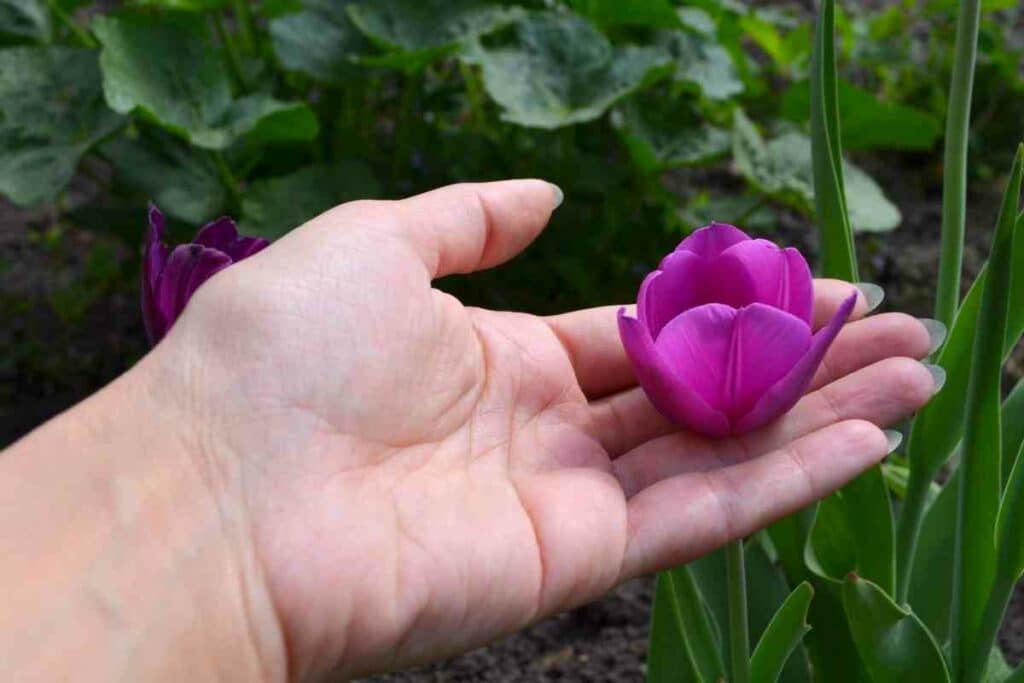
{"points": [[722, 341], [171, 276]]}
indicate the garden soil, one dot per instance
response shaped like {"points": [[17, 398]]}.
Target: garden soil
{"points": [[604, 641]]}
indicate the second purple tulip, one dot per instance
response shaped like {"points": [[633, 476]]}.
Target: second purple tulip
{"points": [[722, 342]]}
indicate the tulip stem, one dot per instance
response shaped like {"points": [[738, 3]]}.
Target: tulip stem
{"points": [[909, 530], [954, 186], [739, 639]]}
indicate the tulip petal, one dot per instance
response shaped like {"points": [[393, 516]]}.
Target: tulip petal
{"points": [[784, 394], [687, 281], [696, 345], [712, 240], [781, 277], [154, 259], [222, 234], [188, 267], [669, 394]]}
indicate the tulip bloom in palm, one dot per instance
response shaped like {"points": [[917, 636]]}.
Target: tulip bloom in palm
{"points": [[722, 342], [171, 276]]}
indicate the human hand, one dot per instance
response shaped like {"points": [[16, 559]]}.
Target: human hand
{"points": [[420, 477]]}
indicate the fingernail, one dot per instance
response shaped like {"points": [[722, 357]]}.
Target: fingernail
{"points": [[936, 333], [937, 373], [893, 438], [873, 294], [559, 195]]}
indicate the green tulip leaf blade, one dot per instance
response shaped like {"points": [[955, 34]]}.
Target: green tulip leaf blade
{"points": [[894, 645], [782, 635]]}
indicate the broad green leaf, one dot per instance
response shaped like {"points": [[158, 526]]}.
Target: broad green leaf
{"points": [[667, 657], [182, 180], [869, 123], [606, 13], [560, 70], [782, 168], [25, 20], [51, 113], [789, 536], [662, 137], [1010, 525], [702, 62], [273, 206], [166, 68], [893, 643], [697, 649], [853, 532], [786, 49], [783, 633], [413, 34], [980, 483], [830, 643], [187, 5], [320, 41], [831, 193]]}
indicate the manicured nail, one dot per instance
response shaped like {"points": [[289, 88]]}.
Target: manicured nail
{"points": [[894, 439], [937, 373], [936, 333], [559, 195], [873, 294]]}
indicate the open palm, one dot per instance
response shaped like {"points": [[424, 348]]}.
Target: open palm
{"points": [[422, 477]]}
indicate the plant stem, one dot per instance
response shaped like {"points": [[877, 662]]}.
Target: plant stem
{"points": [[243, 20], [230, 183], [954, 163], [909, 530], [228, 40], [83, 36], [978, 657], [739, 640]]}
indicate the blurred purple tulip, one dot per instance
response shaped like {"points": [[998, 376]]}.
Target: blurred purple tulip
{"points": [[722, 341], [171, 276]]}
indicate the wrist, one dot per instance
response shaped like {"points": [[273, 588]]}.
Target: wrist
{"points": [[132, 552]]}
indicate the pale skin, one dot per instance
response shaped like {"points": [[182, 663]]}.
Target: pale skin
{"points": [[330, 468]]}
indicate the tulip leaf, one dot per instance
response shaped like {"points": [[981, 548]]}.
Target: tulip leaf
{"points": [[51, 113], [783, 633], [893, 643], [1013, 418], [700, 61], [660, 138], [766, 592], [782, 169], [980, 466], [867, 122], [320, 41], [831, 193], [684, 646], [413, 34], [939, 425], [166, 68], [560, 70], [931, 579], [1010, 525], [25, 20], [853, 532], [182, 180], [607, 13], [273, 206]]}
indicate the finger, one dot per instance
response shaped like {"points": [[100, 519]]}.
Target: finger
{"points": [[625, 421], [682, 518], [829, 295], [472, 226], [882, 394], [591, 338], [868, 341]]}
